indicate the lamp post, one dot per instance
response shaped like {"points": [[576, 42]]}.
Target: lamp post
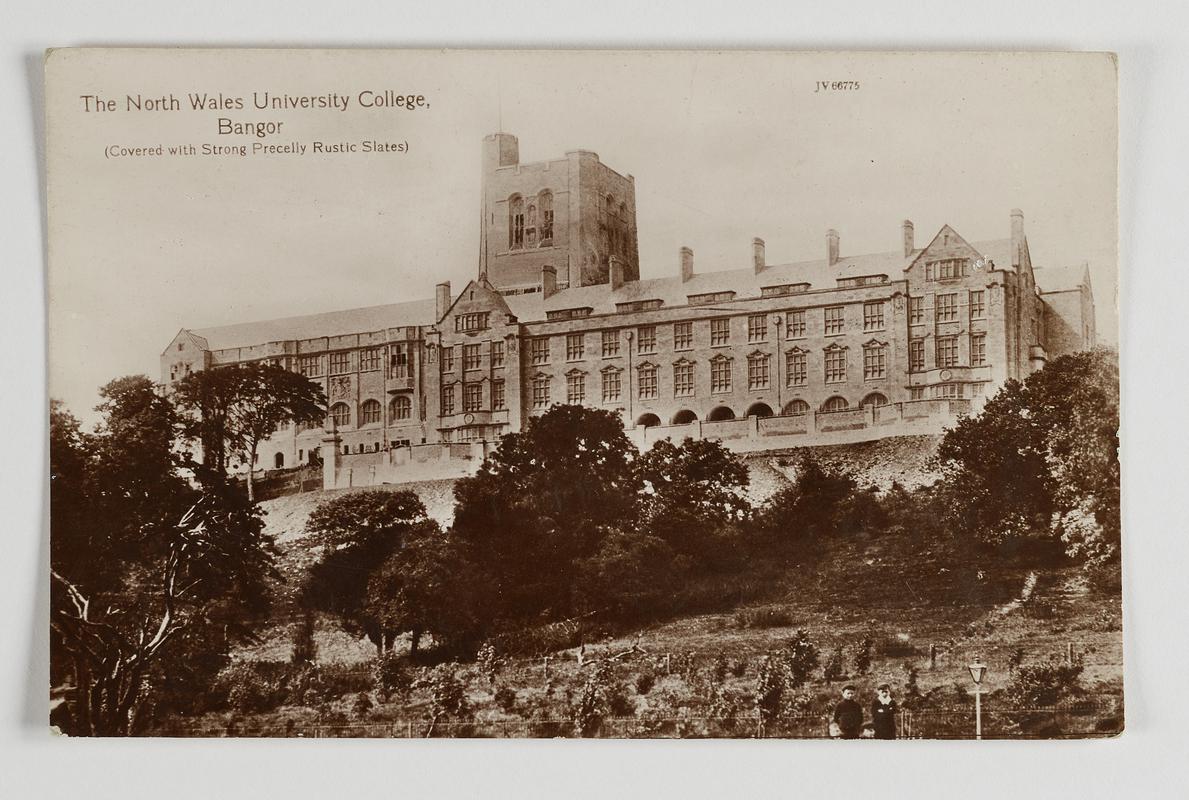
{"points": [[978, 671]]}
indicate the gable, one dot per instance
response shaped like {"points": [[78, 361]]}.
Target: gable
{"points": [[476, 297], [189, 342], [947, 244]]}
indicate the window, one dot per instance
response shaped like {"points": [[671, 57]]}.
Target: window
{"points": [[369, 412], [539, 348], [720, 332], [545, 200], [340, 414], [916, 310], [949, 391], [399, 361], [498, 401], [541, 391], [946, 269], [835, 364], [873, 316], [447, 400], [472, 397], [875, 361], [916, 355], [796, 368], [683, 335], [638, 305], [646, 339], [683, 379], [720, 374], [947, 351], [575, 346], [576, 387], [757, 328], [370, 360], [710, 297], [497, 355], [610, 343], [978, 304], [873, 399], [795, 322], [916, 393], [797, 408], [516, 223], [757, 371], [471, 357], [835, 321], [611, 385], [783, 290], [531, 228], [947, 308], [647, 382], [570, 313], [400, 408], [465, 323], [978, 350], [310, 366], [447, 359], [340, 363], [835, 403]]}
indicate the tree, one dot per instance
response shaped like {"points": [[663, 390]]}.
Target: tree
{"points": [[690, 491], [809, 508], [233, 409], [359, 532], [1041, 460], [543, 501], [147, 570]]}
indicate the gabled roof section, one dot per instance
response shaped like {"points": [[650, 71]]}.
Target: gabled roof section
{"points": [[478, 293], [316, 326], [188, 336]]}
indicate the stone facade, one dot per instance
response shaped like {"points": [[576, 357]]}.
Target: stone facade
{"points": [[823, 349]]}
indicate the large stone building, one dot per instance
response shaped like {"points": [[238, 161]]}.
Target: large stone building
{"points": [[769, 355]]}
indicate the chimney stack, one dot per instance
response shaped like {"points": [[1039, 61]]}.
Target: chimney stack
{"points": [[758, 258], [442, 299], [615, 267], [548, 281], [1017, 237], [831, 247], [909, 246], [687, 264]]}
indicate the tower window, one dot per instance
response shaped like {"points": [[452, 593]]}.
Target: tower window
{"points": [[516, 223]]}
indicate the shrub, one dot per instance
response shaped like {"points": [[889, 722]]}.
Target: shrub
{"points": [[896, 647], [769, 617], [505, 698], [305, 648], [489, 662], [834, 669], [362, 704], [863, 656], [390, 675], [801, 658], [645, 681], [1045, 684]]}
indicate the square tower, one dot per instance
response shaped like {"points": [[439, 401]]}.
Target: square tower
{"points": [[572, 213]]}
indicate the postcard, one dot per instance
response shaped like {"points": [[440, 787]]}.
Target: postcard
{"points": [[617, 394]]}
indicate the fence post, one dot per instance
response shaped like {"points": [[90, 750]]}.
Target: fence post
{"points": [[668, 663], [1069, 653], [932, 656]]}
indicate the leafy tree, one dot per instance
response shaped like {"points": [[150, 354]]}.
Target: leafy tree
{"points": [[690, 491], [630, 576], [809, 508], [233, 409], [360, 532], [1041, 460], [146, 570], [541, 503]]}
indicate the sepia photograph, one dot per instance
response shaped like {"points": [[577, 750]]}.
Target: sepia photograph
{"points": [[584, 394]]}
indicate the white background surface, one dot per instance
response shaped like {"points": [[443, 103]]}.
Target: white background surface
{"points": [[1153, 45]]}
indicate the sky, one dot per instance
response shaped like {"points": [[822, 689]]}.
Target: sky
{"points": [[723, 147]]}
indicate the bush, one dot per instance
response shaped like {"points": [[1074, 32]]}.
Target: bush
{"points": [[390, 675], [505, 698], [863, 656], [645, 681], [769, 617], [1045, 684]]}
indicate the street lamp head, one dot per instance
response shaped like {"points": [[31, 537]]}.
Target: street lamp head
{"points": [[978, 670]]}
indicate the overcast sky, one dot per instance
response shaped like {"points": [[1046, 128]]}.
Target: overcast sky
{"points": [[722, 147]]}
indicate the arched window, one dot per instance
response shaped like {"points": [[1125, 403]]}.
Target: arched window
{"points": [[531, 225], [515, 222], [400, 408], [759, 410], [278, 461], [340, 414], [874, 399], [648, 421], [796, 408], [835, 403], [721, 414], [684, 417], [545, 200], [369, 412]]}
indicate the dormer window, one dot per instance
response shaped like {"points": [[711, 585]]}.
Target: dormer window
{"points": [[947, 269]]}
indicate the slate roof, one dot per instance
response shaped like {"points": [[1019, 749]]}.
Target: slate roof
{"points": [[1061, 279], [313, 326]]}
